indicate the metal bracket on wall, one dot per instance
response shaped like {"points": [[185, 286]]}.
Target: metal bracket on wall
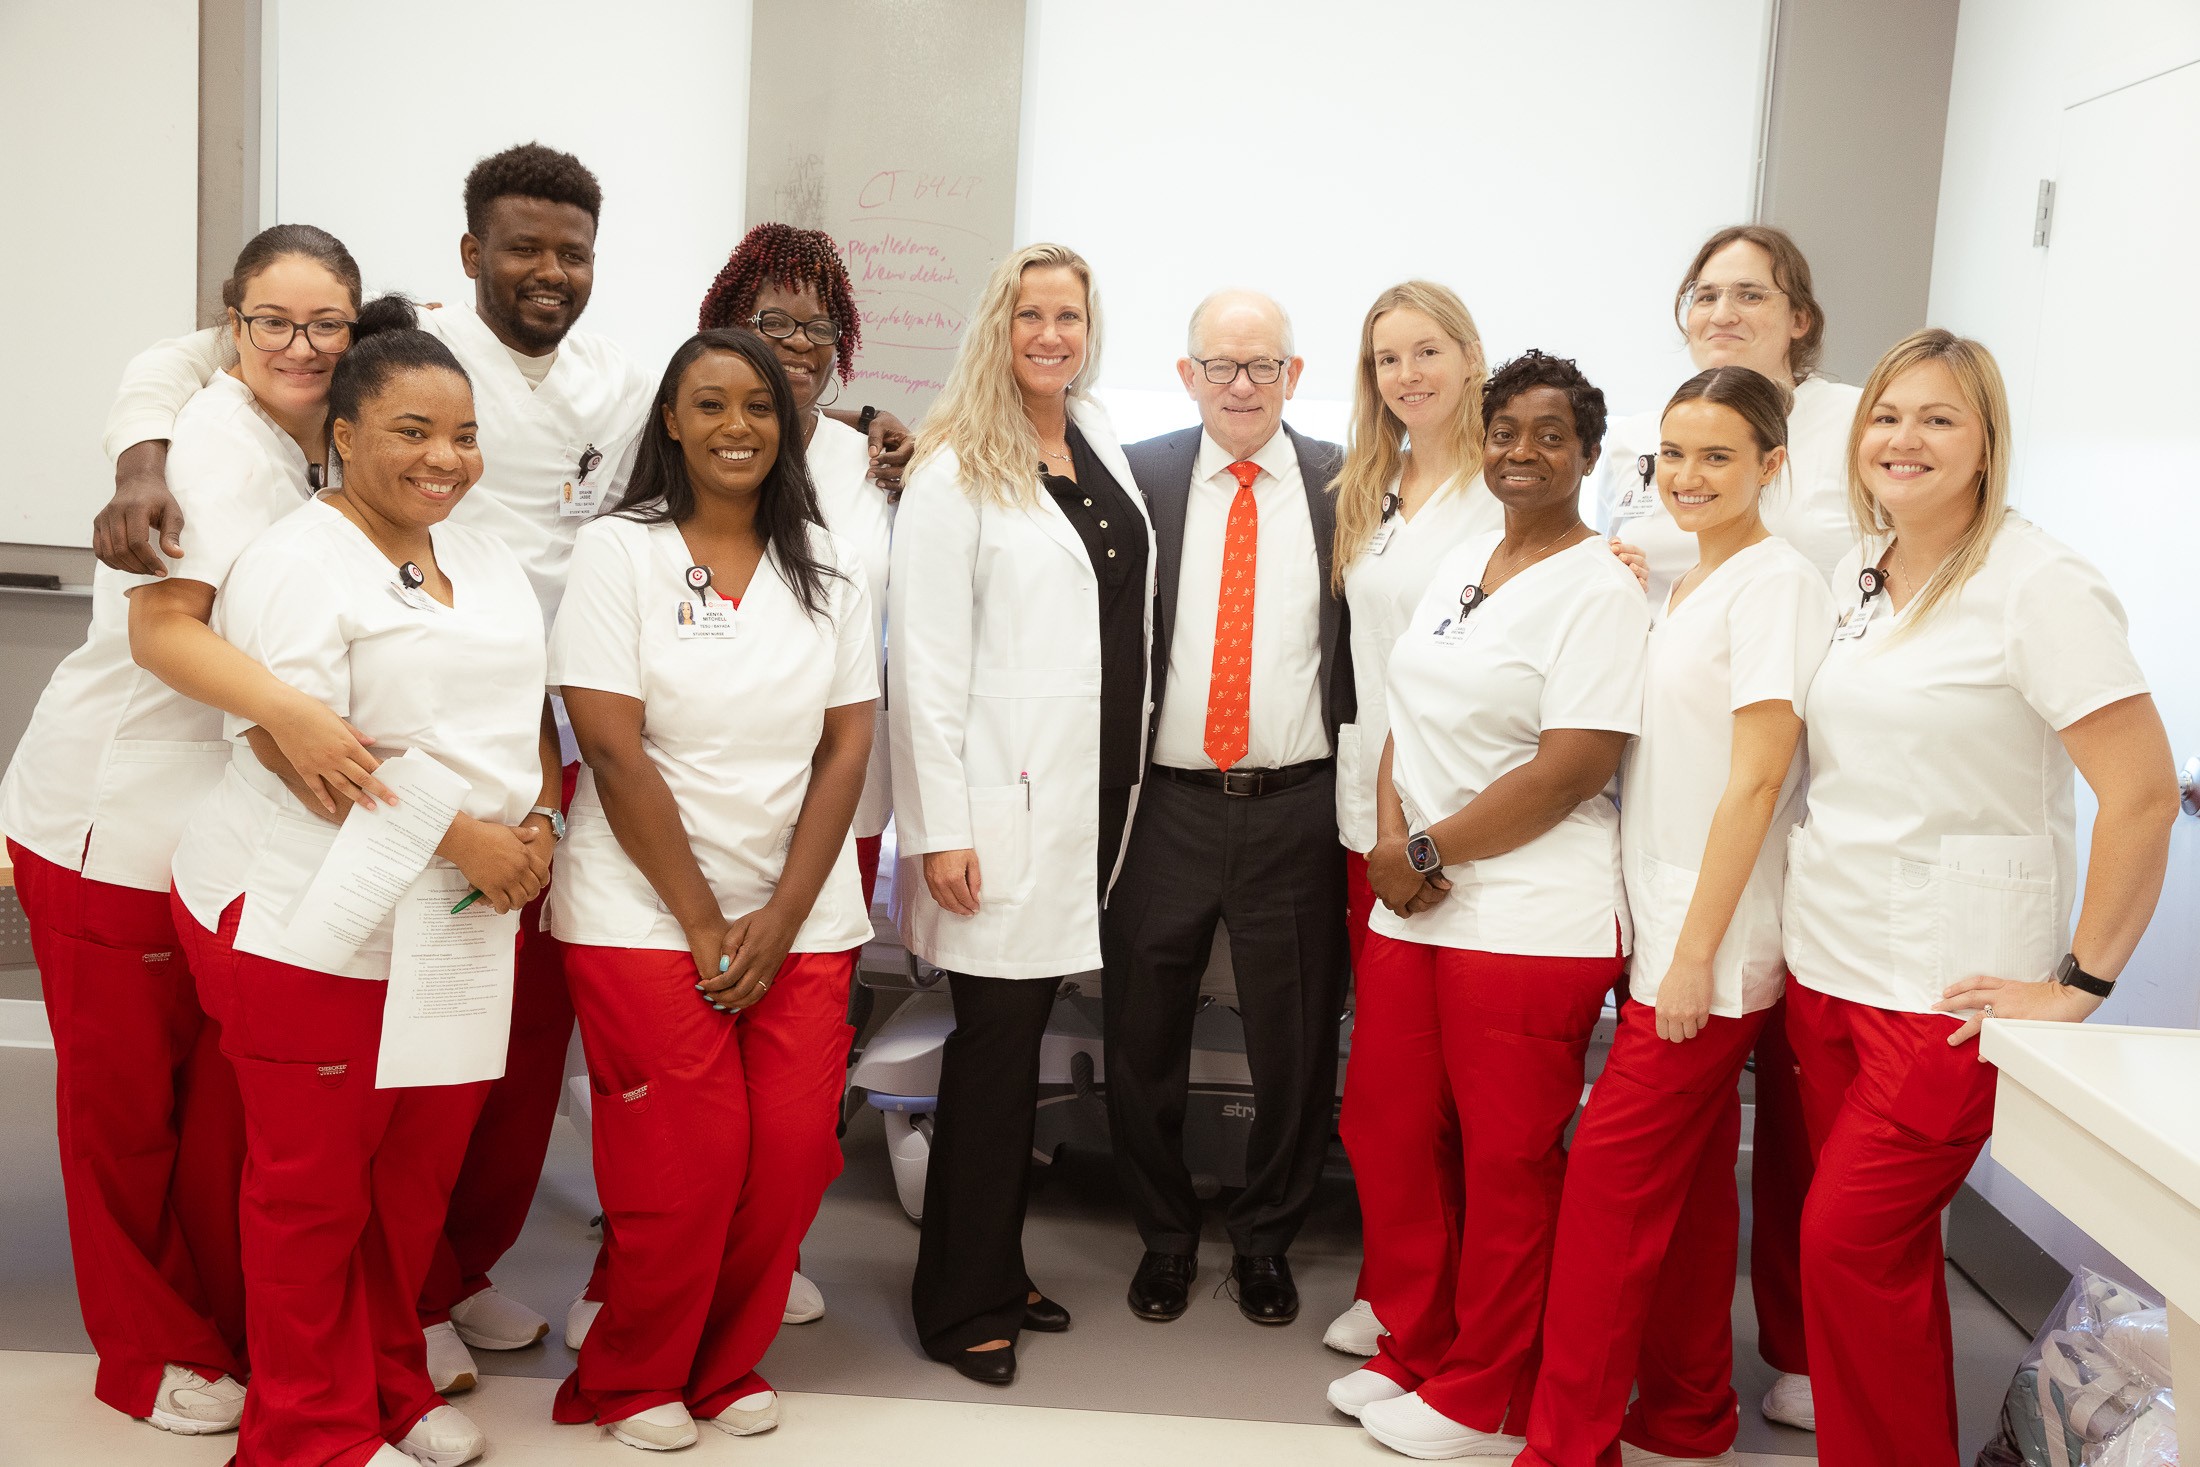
{"points": [[2043, 214]]}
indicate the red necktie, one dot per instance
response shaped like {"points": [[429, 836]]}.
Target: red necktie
{"points": [[1230, 683]]}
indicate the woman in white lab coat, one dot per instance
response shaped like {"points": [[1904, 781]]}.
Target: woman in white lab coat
{"points": [[1746, 301], [114, 761], [1643, 1269], [1021, 599], [428, 633], [1977, 663], [1401, 507]]}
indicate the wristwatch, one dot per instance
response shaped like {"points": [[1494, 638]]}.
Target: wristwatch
{"points": [[866, 418], [555, 816], [2070, 975], [1421, 853]]}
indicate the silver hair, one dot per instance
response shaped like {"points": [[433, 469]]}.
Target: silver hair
{"points": [[1199, 313]]}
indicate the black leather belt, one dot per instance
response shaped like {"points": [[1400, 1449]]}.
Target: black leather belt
{"points": [[1248, 783]]}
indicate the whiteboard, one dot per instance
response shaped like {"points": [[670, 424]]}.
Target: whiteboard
{"points": [[380, 112], [1555, 165], [100, 108]]}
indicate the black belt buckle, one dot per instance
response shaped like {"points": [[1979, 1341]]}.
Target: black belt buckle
{"points": [[1242, 782]]}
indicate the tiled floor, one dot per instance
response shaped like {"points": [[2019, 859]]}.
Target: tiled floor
{"points": [[1210, 1388]]}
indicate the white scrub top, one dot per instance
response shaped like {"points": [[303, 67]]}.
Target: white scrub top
{"points": [[114, 760], [1381, 588], [315, 603], [1807, 505], [861, 518], [1753, 632], [732, 725], [1940, 837], [1559, 646]]}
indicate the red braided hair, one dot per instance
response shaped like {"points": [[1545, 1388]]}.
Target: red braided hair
{"points": [[780, 254]]}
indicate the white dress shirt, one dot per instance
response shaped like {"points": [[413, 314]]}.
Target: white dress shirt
{"points": [[1285, 702]]}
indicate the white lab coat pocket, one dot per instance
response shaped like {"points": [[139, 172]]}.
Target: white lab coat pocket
{"points": [[1000, 832], [147, 791], [1355, 790]]}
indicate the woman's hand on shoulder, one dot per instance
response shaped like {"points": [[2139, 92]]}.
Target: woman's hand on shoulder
{"points": [[1632, 557], [891, 445], [953, 879], [2012, 1000]]}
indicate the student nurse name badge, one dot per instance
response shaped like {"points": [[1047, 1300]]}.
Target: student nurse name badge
{"points": [[583, 488], [1640, 496], [710, 620]]}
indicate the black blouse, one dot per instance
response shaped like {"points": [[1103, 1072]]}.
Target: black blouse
{"points": [[1114, 533]]}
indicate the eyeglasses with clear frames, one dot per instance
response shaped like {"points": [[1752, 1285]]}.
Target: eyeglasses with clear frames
{"points": [[1261, 371], [276, 333], [1748, 295], [780, 326]]}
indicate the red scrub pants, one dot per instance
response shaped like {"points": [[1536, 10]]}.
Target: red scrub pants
{"points": [[1779, 1179], [151, 1134], [714, 1143], [1513, 1033], [345, 1187], [867, 852], [496, 1185], [1642, 1277], [1896, 1118]]}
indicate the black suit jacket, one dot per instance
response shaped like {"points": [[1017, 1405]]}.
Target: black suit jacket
{"points": [[1163, 467]]}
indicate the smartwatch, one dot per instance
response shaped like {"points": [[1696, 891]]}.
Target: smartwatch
{"points": [[1421, 853], [2070, 975], [866, 418], [555, 816]]}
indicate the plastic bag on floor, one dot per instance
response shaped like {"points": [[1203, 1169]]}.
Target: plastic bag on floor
{"points": [[2094, 1391]]}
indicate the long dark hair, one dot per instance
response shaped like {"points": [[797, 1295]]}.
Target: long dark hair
{"points": [[659, 492]]}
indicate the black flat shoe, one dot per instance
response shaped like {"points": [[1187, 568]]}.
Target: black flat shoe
{"points": [[1045, 1316], [987, 1367], [1161, 1289], [1265, 1293]]}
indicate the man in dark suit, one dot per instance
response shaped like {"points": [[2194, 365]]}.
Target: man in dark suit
{"points": [[1236, 821]]}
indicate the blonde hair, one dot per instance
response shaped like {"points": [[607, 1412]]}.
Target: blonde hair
{"points": [[980, 415], [1375, 451], [1978, 379]]}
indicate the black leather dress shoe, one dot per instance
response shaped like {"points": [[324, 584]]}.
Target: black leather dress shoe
{"points": [[1046, 1316], [987, 1367], [1162, 1286], [1265, 1293]]}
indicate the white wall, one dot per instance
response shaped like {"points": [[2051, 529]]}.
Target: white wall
{"points": [[1557, 166], [2110, 475], [99, 110], [380, 111]]}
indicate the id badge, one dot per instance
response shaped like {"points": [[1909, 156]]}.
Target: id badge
{"points": [[414, 597], [1640, 497], [1381, 539], [1855, 621], [578, 495], [710, 620], [1454, 631]]}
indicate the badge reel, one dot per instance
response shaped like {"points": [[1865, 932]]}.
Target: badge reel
{"points": [[1871, 581], [410, 579], [578, 498], [1381, 539], [699, 615], [1454, 629], [1640, 496]]}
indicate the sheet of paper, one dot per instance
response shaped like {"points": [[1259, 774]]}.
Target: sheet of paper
{"points": [[449, 1007], [375, 858]]}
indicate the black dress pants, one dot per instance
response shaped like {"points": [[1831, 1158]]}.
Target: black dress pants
{"points": [[1269, 868], [970, 1284]]}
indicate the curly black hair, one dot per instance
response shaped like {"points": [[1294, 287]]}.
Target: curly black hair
{"points": [[780, 254], [531, 171], [1533, 368]]}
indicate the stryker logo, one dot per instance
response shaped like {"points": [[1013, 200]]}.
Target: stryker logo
{"points": [[1238, 1110]]}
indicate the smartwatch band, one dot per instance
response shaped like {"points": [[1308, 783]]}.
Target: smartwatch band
{"points": [[2070, 975]]}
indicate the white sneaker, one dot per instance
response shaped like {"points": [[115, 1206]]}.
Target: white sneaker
{"points": [[1411, 1425], [804, 1302], [1355, 1331], [490, 1321], [665, 1428], [578, 1319], [189, 1404], [1351, 1393], [1631, 1455], [450, 1364], [1789, 1403], [444, 1438], [754, 1413]]}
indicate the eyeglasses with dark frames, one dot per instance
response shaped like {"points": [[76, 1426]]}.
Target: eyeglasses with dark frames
{"points": [[1221, 371], [780, 326], [276, 333]]}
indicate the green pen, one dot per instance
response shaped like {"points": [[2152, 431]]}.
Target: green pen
{"points": [[469, 899]]}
